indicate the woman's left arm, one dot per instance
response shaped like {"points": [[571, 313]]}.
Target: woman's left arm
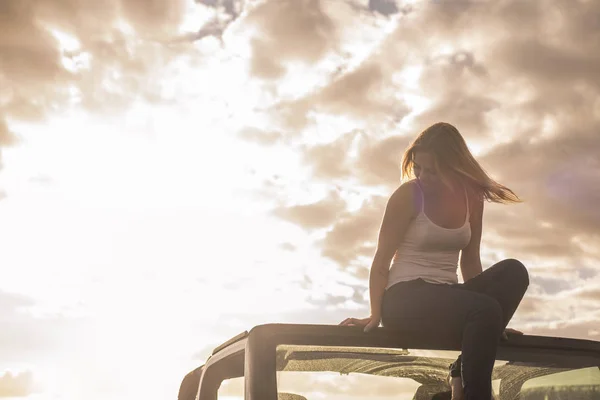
{"points": [[470, 258]]}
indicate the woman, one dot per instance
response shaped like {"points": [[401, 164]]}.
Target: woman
{"points": [[427, 223]]}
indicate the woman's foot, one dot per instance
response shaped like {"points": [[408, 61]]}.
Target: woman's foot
{"points": [[458, 392], [456, 385]]}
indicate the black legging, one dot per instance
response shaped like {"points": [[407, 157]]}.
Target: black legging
{"points": [[475, 312]]}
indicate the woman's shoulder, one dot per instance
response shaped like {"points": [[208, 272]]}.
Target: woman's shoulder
{"points": [[407, 196], [408, 188]]}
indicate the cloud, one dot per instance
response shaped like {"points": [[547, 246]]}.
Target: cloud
{"points": [[231, 7], [225, 13], [340, 301], [16, 385], [325, 56], [331, 160], [154, 18], [378, 161], [288, 30], [26, 337], [364, 93], [11, 303], [385, 7], [361, 93], [287, 246], [566, 316], [319, 214], [261, 137], [555, 174], [543, 63], [356, 155], [549, 285], [354, 233], [65, 53], [527, 102], [386, 74], [57, 53], [7, 137], [558, 187]]}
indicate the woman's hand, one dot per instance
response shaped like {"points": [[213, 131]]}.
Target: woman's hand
{"points": [[367, 324], [510, 331]]}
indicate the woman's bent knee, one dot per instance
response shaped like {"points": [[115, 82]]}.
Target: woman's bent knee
{"points": [[517, 271]]}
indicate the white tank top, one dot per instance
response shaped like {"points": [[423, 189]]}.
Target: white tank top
{"points": [[429, 251]]}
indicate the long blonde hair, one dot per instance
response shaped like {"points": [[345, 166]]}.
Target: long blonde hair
{"points": [[451, 154]]}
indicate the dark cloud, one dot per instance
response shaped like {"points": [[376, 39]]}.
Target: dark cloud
{"points": [[587, 273], [385, 7], [16, 385], [231, 7], [227, 11]]}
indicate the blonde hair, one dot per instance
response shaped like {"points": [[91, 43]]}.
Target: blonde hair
{"points": [[450, 153]]}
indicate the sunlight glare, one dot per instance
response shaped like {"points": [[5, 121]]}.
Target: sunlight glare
{"points": [[409, 76], [67, 42], [195, 17]]}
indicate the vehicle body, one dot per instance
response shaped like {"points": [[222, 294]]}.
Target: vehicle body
{"points": [[297, 362]]}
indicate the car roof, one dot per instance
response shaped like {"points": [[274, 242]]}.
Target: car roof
{"points": [[345, 336]]}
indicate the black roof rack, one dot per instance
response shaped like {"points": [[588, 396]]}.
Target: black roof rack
{"points": [[234, 339], [346, 335]]}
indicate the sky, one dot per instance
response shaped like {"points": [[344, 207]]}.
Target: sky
{"points": [[175, 172]]}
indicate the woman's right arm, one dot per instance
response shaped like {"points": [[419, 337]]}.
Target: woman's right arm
{"points": [[398, 213]]}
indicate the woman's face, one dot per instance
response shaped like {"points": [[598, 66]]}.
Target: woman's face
{"points": [[426, 172]]}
